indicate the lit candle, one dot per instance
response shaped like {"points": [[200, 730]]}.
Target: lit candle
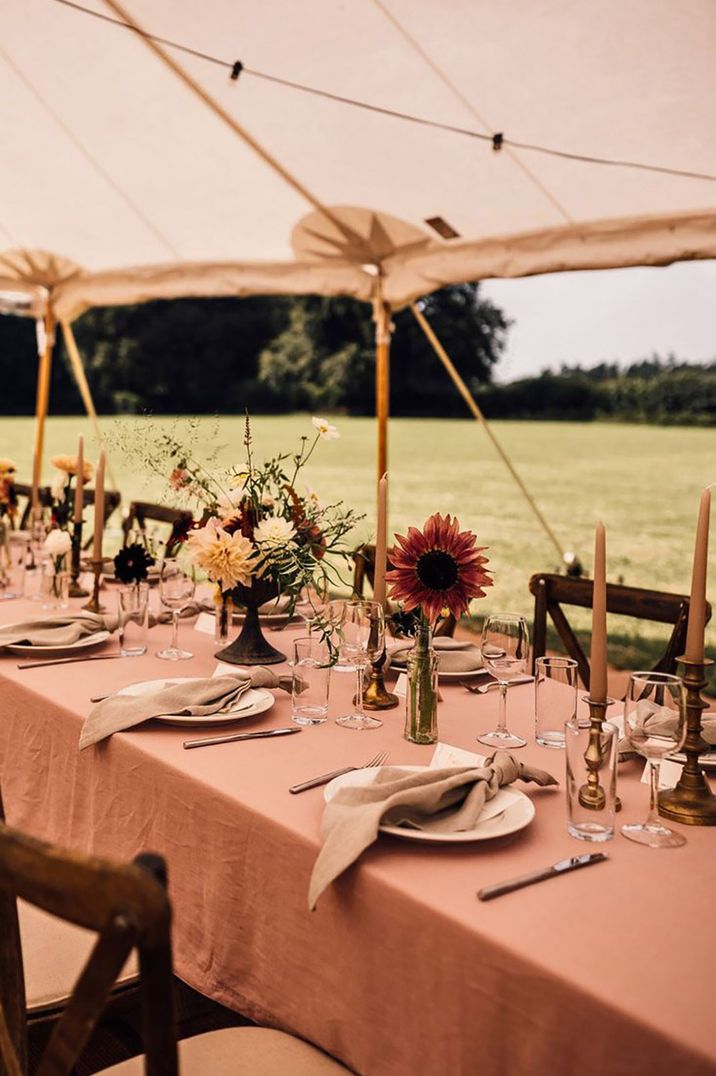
{"points": [[80, 480], [598, 659], [381, 542], [697, 604], [98, 508], [35, 484]]}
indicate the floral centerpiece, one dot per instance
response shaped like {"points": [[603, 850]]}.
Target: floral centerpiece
{"points": [[259, 538], [8, 512], [57, 546], [436, 571]]}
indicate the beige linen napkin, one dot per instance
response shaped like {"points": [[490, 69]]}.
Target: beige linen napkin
{"points": [[439, 800], [454, 655], [659, 721], [68, 628], [198, 699]]}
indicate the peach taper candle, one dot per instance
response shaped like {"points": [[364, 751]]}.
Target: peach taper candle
{"points": [[381, 542], [598, 659], [697, 603]]}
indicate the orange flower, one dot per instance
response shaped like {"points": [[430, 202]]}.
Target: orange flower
{"points": [[438, 567]]}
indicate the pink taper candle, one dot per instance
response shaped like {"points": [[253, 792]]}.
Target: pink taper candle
{"points": [[598, 659], [697, 604], [99, 508], [80, 480], [381, 542], [35, 483]]}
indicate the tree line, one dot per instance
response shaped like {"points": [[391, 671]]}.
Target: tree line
{"points": [[282, 354]]}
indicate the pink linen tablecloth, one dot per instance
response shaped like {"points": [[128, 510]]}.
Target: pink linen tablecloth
{"points": [[400, 970]]}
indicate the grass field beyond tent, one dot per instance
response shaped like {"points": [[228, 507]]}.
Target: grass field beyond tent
{"points": [[643, 481]]}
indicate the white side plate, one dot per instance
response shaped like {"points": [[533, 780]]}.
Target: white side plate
{"points": [[87, 641]]}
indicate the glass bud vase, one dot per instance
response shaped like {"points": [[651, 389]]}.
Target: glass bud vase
{"points": [[421, 696], [55, 583], [224, 617]]}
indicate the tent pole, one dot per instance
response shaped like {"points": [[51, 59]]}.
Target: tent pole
{"points": [[383, 329], [83, 385], [45, 341], [477, 414]]}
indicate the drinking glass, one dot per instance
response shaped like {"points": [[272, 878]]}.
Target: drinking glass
{"points": [[505, 648], [310, 681], [555, 699], [361, 633], [655, 725], [584, 821], [176, 589], [133, 604]]}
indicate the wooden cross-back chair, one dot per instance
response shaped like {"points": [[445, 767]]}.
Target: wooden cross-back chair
{"points": [[127, 906], [112, 500], [551, 592], [142, 512], [364, 571]]}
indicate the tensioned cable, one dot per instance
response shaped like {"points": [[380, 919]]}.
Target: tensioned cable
{"points": [[496, 141], [69, 133]]}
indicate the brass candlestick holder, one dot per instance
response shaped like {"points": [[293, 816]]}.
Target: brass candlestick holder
{"points": [[692, 801], [375, 694], [94, 605], [591, 794], [76, 591]]}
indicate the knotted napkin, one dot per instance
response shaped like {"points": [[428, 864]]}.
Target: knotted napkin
{"points": [[65, 629], [446, 800], [199, 698], [660, 721], [454, 655]]}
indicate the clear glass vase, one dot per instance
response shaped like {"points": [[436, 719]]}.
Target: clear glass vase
{"points": [[224, 618], [421, 696], [55, 583]]}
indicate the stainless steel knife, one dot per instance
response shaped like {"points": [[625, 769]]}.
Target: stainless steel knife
{"points": [[209, 740], [563, 867]]}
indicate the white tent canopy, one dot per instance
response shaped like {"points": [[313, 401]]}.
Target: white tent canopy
{"points": [[125, 179]]}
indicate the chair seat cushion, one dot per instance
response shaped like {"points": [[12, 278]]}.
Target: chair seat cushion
{"points": [[243, 1051], [53, 954]]}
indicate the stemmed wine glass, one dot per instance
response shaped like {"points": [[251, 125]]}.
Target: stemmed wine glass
{"points": [[505, 647], [176, 588], [655, 725], [361, 633]]}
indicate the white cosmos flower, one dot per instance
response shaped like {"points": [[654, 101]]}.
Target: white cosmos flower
{"points": [[227, 504], [326, 431], [58, 486], [58, 543], [274, 532], [267, 500]]}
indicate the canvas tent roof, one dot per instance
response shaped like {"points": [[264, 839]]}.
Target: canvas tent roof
{"points": [[121, 182]]}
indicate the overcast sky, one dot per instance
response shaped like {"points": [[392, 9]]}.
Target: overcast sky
{"points": [[623, 314]]}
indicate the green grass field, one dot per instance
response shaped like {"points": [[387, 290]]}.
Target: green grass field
{"points": [[643, 481]]}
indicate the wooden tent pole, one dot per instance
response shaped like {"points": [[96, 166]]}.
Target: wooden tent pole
{"points": [[83, 385], [46, 334], [477, 414], [383, 329]]}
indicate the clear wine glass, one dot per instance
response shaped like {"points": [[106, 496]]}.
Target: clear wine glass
{"points": [[505, 649], [655, 725], [176, 589], [361, 633]]}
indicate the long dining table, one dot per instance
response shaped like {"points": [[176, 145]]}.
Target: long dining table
{"points": [[400, 970]]}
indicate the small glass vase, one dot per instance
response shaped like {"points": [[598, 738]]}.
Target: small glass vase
{"points": [[55, 583], [133, 619], [421, 696], [224, 618]]}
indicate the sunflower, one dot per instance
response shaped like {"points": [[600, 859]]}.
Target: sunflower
{"points": [[437, 568]]}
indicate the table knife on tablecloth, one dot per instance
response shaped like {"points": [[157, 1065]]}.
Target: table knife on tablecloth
{"points": [[209, 741], [563, 867]]}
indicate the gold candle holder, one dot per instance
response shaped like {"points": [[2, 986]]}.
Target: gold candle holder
{"points": [[692, 801], [375, 694], [94, 605], [76, 591], [591, 794]]}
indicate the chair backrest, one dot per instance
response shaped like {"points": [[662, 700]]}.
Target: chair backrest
{"points": [[551, 592], [127, 905], [140, 512], [112, 500], [364, 569]]}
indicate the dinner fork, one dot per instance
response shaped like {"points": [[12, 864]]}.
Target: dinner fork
{"points": [[378, 760], [494, 684]]}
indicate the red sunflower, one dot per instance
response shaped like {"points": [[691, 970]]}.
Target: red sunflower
{"points": [[437, 567]]}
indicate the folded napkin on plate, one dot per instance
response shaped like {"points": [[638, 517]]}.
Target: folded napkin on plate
{"points": [[454, 655], [197, 699], [64, 629], [437, 800], [660, 721]]}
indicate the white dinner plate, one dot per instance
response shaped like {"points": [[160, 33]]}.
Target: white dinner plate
{"points": [[254, 701], [399, 666], [517, 812], [84, 643]]}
